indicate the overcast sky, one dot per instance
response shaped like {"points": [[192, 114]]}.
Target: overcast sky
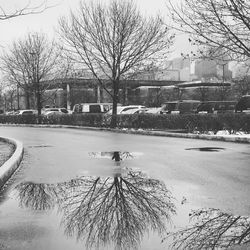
{"points": [[47, 21]]}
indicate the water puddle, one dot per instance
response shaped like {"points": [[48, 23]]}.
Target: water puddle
{"points": [[40, 146], [120, 210], [207, 149], [114, 210]]}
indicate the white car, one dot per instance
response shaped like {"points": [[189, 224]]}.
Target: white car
{"points": [[92, 108], [26, 112], [143, 111], [154, 111], [55, 111], [126, 109]]}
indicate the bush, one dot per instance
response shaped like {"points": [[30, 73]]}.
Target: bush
{"points": [[188, 122]]}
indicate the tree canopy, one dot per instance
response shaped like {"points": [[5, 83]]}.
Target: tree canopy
{"points": [[28, 62], [112, 40], [220, 28]]}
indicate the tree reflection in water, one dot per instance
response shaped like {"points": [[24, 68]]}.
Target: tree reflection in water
{"points": [[213, 229], [116, 210], [37, 196]]}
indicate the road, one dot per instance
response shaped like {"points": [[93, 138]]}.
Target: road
{"points": [[198, 173]]}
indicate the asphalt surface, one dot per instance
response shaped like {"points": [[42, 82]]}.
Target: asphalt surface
{"points": [[198, 173]]}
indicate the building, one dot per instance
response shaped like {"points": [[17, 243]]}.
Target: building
{"points": [[179, 78]]}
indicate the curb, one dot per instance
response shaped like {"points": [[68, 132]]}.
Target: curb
{"points": [[225, 138], [11, 165]]}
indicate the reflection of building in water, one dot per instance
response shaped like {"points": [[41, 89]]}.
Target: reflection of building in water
{"points": [[105, 211]]}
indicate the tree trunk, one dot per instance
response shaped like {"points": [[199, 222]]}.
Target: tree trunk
{"points": [[27, 96], [38, 102], [113, 123]]}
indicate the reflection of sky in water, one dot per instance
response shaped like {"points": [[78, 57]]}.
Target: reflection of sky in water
{"points": [[120, 208]]}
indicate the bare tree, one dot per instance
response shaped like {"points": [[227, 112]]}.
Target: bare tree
{"points": [[112, 40], [29, 62], [220, 28], [23, 11]]}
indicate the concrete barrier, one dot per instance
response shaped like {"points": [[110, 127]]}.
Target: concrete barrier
{"points": [[11, 165]]}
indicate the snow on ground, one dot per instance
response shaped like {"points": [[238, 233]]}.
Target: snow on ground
{"points": [[237, 134]]}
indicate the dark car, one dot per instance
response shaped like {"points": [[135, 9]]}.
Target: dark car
{"points": [[180, 107], [243, 104], [216, 107]]}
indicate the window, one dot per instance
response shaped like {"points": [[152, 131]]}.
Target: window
{"points": [[27, 112], [95, 109], [64, 111]]}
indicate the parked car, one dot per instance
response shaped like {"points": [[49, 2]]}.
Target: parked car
{"points": [[154, 111], [55, 111], [26, 112], [133, 111], [170, 107], [180, 107], [143, 111], [92, 107], [216, 107], [126, 109], [243, 105], [10, 112]]}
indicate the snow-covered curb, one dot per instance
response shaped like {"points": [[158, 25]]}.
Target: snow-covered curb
{"points": [[11, 165]]}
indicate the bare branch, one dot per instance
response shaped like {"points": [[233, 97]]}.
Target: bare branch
{"points": [[212, 229], [221, 26], [28, 9]]}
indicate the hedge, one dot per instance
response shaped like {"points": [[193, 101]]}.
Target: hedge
{"points": [[190, 122]]}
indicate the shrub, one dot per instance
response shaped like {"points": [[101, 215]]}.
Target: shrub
{"points": [[188, 122]]}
